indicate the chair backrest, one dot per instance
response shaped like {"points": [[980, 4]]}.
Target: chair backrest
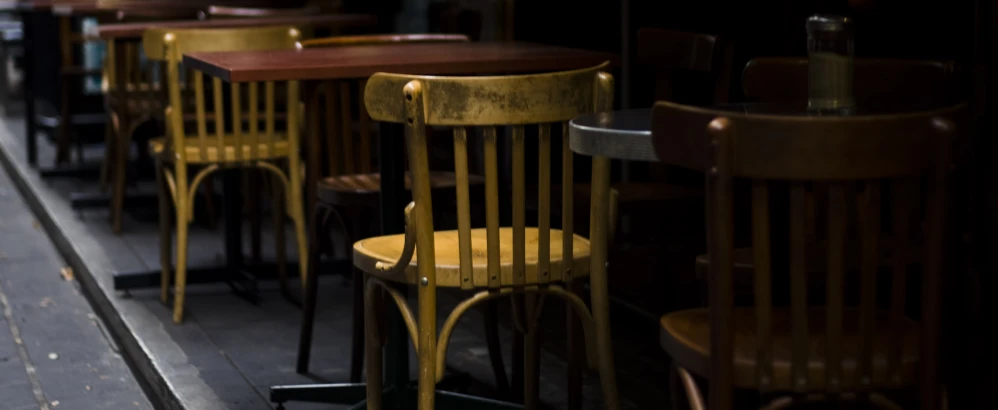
{"points": [[169, 46], [216, 12], [484, 103], [672, 51], [860, 165], [346, 155], [930, 84]]}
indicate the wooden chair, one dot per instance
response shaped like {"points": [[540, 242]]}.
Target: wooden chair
{"points": [[350, 187], [134, 95], [820, 346], [491, 261], [877, 82], [269, 148]]}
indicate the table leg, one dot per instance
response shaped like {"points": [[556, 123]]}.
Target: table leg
{"points": [[392, 167], [28, 27]]}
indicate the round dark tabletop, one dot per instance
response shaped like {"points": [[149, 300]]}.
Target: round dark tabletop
{"points": [[622, 134], [626, 134]]}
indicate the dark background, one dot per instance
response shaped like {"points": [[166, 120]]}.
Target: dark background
{"points": [[964, 31]]}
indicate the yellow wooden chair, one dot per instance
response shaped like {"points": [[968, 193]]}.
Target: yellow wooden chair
{"points": [[531, 262], [269, 148]]}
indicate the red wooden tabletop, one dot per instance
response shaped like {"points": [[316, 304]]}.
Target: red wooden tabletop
{"points": [[363, 61], [135, 30]]}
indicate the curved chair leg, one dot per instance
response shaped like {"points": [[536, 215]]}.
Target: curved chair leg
{"points": [[165, 231], [278, 211], [684, 380], [372, 326], [495, 347], [320, 219]]}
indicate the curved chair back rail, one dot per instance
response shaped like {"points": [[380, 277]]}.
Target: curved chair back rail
{"points": [[378, 39], [215, 12], [859, 339], [349, 152], [876, 81]]}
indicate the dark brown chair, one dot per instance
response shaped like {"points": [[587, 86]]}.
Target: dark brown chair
{"points": [[348, 189], [878, 82], [829, 346]]}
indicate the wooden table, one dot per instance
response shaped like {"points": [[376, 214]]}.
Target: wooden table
{"points": [[359, 62], [135, 30]]}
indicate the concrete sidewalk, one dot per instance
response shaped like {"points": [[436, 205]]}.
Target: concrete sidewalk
{"points": [[54, 351]]}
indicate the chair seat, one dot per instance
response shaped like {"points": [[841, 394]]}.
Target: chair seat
{"points": [[194, 154], [369, 252], [331, 189], [685, 335]]}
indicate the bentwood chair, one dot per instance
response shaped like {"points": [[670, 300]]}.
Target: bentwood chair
{"points": [[829, 345], [493, 261], [135, 94], [347, 188], [877, 82], [270, 147]]}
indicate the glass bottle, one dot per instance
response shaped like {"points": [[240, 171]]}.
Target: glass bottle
{"points": [[830, 65]]}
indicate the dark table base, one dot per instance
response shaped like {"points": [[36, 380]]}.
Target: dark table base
{"points": [[243, 280]]}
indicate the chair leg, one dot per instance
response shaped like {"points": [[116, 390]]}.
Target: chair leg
{"points": [[165, 231], [278, 211], [319, 220], [576, 351], [372, 326], [495, 347], [107, 165], [122, 144], [183, 221], [295, 202]]}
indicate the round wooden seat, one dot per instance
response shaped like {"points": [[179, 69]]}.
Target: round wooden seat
{"points": [[368, 253], [194, 154], [685, 335]]}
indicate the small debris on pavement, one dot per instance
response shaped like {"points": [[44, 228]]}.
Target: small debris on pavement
{"points": [[46, 302], [55, 403], [53, 356], [87, 387], [67, 273]]}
